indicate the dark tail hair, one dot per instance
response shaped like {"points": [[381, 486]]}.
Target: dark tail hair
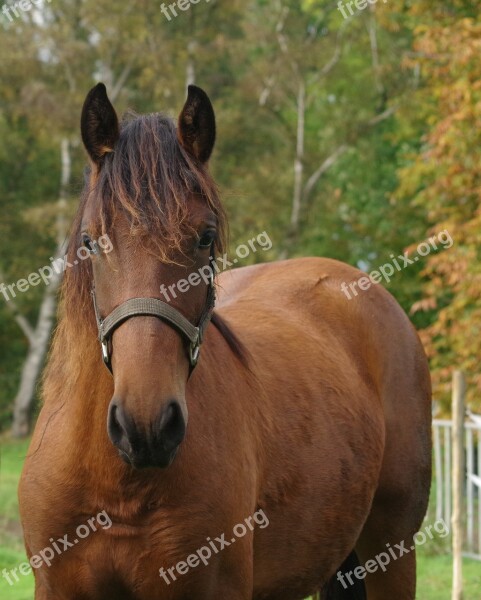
{"points": [[337, 591]]}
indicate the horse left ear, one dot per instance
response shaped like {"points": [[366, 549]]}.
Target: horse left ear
{"points": [[99, 124], [196, 131]]}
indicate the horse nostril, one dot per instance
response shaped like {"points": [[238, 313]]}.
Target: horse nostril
{"points": [[116, 426], [171, 426]]}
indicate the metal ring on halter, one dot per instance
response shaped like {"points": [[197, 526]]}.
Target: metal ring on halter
{"points": [[194, 352], [105, 353]]}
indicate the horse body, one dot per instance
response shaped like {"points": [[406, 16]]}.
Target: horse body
{"points": [[323, 424]]}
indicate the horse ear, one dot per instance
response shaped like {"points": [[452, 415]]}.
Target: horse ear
{"points": [[196, 131], [99, 124]]}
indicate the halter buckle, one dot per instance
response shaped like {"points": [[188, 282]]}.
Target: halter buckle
{"points": [[194, 352], [105, 352]]}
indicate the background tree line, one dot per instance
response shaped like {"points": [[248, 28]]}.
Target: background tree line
{"points": [[349, 138]]}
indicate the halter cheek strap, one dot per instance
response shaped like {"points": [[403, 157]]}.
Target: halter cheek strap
{"points": [[137, 307]]}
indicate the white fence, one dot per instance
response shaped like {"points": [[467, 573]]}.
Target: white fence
{"points": [[442, 430]]}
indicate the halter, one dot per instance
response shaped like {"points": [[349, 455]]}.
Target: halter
{"points": [[138, 307]]}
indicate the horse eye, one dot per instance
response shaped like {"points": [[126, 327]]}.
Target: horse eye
{"points": [[88, 243], [207, 239]]}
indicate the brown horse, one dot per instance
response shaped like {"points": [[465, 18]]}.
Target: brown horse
{"points": [[308, 434]]}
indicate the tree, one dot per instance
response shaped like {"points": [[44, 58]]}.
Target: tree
{"points": [[444, 179]]}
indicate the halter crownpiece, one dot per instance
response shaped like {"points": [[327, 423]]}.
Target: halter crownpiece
{"points": [[138, 307]]}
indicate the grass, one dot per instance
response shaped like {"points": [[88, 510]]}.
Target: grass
{"points": [[11, 546], [434, 564]]}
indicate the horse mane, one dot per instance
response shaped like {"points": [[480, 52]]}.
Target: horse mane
{"points": [[233, 341], [149, 178]]}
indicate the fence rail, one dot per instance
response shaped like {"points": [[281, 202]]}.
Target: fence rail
{"points": [[443, 457]]}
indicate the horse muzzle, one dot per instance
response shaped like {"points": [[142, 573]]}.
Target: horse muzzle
{"points": [[155, 446]]}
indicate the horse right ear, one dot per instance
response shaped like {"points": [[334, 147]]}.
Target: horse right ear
{"points": [[196, 130], [99, 124]]}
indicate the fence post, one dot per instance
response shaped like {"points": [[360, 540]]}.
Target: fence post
{"points": [[459, 390]]}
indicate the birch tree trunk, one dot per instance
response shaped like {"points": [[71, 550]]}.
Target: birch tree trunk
{"points": [[299, 160], [190, 68], [33, 365], [39, 336]]}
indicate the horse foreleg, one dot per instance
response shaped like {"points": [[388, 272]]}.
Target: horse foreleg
{"points": [[41, 592], [236, 573]]}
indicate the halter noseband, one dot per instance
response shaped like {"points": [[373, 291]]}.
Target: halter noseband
{"points": [[137, 307]]}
